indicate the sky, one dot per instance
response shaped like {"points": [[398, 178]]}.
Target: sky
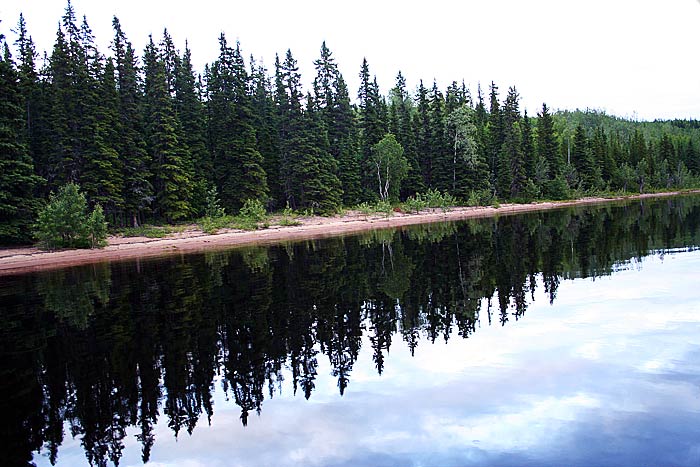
{"points": [[632, 58]]}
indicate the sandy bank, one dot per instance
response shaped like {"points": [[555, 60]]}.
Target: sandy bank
{"points": [[22, 260]]}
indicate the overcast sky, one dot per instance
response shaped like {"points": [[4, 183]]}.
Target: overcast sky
{"points": [[632, 58]]}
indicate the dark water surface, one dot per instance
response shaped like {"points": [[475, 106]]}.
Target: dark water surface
{"points": [[567, 337]]}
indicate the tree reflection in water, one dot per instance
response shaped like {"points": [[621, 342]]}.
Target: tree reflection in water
{"points": [[107, 347]]}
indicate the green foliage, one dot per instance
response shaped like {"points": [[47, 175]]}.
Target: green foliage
{"points": [[65, 223], [253, 210], [212, 225], [557, 188], [97, 228], [148, 142], [430, 199], [213, 209], [415, 203], [288, 217], [379, 207], [389, 167], [480, 198]]}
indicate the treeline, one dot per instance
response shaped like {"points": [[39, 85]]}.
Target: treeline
{"points": [[113, 352], [149, 139]]}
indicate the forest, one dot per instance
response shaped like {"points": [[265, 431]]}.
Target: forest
{"points": [[149, 139]]}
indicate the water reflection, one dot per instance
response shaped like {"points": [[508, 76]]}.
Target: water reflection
{"points": [[113, 349]]}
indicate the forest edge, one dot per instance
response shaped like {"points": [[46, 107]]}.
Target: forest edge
{"points": [[29, 259]]}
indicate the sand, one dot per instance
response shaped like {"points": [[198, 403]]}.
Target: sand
{"points": [[22, 260]]}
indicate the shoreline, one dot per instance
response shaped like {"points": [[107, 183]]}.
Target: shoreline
{"points": [[15, 261]]}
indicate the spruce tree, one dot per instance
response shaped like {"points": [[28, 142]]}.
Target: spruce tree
{"points": [[265, 123], [333, 102], [316, 168], [18, 206], [583, 160], [528, 147], [344, 144], [422, 132], [237, 162], [191, 116], [441, 156], [547, 151], [138, 191], [171, 180], [102, 178], [495, 136]]}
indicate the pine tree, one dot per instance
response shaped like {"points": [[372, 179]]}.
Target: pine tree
{"points": [[422, 132], [528, 147], [171, 181], [691, 157], [495, 136], [102, 178], [237, 161], [18, 206], [582, 160], [316, 168], [308, 168], [191, 116], [30, 88], [333, 101], [138, 191], [441, 156], [547, 151], [344, 145], [265, 123]]}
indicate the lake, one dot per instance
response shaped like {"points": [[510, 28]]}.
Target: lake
{"points": [[568, 337]]}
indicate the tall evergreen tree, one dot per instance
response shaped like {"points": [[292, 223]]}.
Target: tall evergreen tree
{"points": [[18, 206], [309, 168], [266, 131], [333, 102], [191, 116], [138, 191], [290, 117], [102, 178], [583, 160], [422, 132], [171, 180], [316, 170], [441, 155], [344, 144], [547, 143], [237, 161], [528, 147], [495, 136]]}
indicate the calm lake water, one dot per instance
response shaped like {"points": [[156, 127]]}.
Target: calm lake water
{"points": [[569, 337]]}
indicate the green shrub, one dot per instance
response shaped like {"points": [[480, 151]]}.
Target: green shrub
{"points": [[415, 203], [213, 209], [365, 208], [97, 228], [65, 223], [288, 217], [211, 225], [253, 210], [557, 189], [380, 207]]}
